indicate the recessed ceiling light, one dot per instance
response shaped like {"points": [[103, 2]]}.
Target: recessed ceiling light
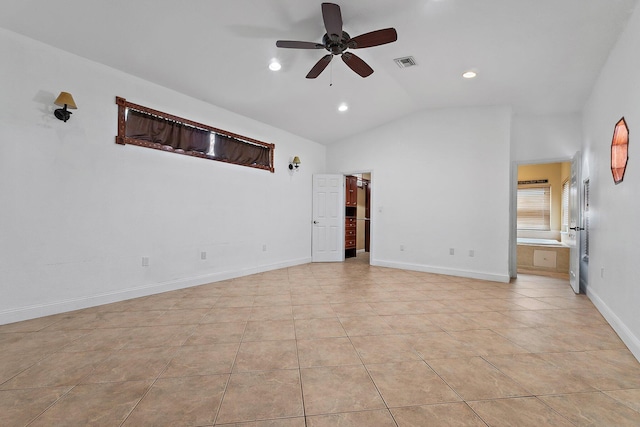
{"points": [[343, 107], [275, 65], [469, 74]]}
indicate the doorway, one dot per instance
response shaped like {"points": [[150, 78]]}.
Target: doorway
{"points": [[341, 222], [358, 216]]}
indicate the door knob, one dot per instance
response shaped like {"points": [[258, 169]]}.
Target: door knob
{"points": [[315, 222], [576, 228]]}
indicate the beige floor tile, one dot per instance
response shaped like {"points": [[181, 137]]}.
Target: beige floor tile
{"points": [[521, 412], [410, 323], [59, 369], [380, 418], [111, 339], [272, 300], [475, 379], [158, 336], [181, 317], [278, 312], [266, 356], [269, 330], [185, 401], [132, 365], [281, 422], [202, 360], [215, 333], [339, 389], [440, 345], [318, 297], [11, 364], [410, 384], [442, 415], [630, 398], [538, 340], [353, 309], [94, 404], [593, 409], [366, 325], [270, 323], [410, 307], [235, 301], [486, 342], [327, 352], [604, 369], [319, 328], [19, 407], [261, 396], [384, 349], [227, 314], [315, 311], [538, 375]]}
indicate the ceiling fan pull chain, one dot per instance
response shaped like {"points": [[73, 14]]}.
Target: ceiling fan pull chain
{"points": [[331, 74]]}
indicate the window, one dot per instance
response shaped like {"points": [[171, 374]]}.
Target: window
{"points": [[145, 127], [534, 208], [565, 206]]}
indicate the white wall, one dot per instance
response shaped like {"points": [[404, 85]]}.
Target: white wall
{"points": [[440, 181], [537, 138], [79, 211], [615, 209]]}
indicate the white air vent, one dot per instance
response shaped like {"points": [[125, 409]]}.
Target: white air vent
{"points": [[407, 61]]}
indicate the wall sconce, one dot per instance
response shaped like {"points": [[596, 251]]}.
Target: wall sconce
{"points": [[64, 100], [619, 150], [295, 163]]}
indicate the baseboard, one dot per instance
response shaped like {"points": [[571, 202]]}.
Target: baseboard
{"points": [[626, 335], [62, 306], [504, 278]]}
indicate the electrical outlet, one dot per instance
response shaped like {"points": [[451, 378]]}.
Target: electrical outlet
{"points": [[472, 253], [264, 248], [402, 247], [145, 261], [452, 251], [602, 273], [203, 255]]}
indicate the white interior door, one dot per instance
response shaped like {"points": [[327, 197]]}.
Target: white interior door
{"points": [[575, 223], [328, 218]]}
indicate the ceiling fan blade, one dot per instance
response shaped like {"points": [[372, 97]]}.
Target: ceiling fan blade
{"points": [[374, 38], [356, 64], [319, 67], [298, 45], [332, 20]]}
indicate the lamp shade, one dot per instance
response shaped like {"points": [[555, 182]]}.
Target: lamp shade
{"points": [[296, 160], [66, 98]]}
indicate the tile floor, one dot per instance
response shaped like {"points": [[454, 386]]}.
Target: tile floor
{"points": [[325, 345]]}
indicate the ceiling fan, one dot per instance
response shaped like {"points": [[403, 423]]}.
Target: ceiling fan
{"points": [[337, 42]]}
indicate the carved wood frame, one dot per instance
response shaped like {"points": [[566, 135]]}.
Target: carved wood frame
{"points": [[123, 139]]}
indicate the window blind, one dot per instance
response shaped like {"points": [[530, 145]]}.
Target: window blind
{"points": [[534, 208]]}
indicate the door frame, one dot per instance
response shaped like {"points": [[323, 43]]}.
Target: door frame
{"points": [[513, 199]]}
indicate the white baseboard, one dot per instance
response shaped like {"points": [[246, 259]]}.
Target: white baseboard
{"points": [[31, 312], [504, 278], [626, 335]]}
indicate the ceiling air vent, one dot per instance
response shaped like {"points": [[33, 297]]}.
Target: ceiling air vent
{"points": [[407, 61]]}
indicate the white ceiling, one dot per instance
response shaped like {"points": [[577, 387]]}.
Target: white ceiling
{"points": [[539, 56]]}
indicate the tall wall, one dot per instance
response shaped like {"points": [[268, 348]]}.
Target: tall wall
{"points": [[79, 211], [440, 180], [614, 210]]}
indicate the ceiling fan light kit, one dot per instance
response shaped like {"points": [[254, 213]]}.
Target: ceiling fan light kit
{"points": [[336, 42]]}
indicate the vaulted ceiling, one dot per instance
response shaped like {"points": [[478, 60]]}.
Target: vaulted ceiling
{"points": [[540, 57]]}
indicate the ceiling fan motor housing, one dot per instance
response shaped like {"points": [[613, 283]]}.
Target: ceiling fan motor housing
{"points": [[336, 47]]}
